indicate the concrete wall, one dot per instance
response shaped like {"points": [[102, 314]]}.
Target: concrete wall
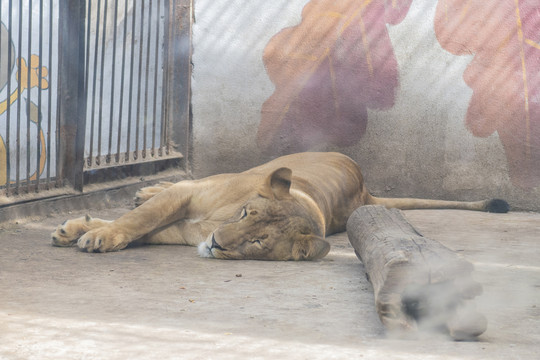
{"points": [[433, 98]]}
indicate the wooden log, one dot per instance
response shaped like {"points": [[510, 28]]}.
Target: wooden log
{"points": [[418, 283]]}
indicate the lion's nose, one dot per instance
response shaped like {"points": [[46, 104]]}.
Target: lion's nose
{"points": [[55, 241], [215, 245]]}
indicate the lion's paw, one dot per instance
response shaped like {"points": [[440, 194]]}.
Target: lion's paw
{"points": [[71, 230], [103, 239], [148, 192]]}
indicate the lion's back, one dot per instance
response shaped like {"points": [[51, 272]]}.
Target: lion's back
{"points": [[332, 179]]}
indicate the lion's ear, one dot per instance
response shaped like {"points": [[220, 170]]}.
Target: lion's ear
{"points": [[277, 184], [310, 247]]}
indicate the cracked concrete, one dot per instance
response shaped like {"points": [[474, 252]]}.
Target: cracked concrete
{"points": [[164, 302]]}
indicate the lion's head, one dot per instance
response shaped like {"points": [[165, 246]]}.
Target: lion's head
{"points": [[270, 226]]}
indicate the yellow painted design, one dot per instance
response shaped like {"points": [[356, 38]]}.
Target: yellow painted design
{"points": [[465, 11], [366, 46], [519, 27], [532, 43], [358, 13], [35, 81], [34, 117], [303, 83], [332, 14], [334, 86], [24, 84], [353, 16], [300, 56]]}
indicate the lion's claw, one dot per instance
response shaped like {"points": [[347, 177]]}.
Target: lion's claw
{"points": [[102, 239]]}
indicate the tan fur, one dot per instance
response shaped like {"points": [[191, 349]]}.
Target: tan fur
{"points": [[282, 210]]}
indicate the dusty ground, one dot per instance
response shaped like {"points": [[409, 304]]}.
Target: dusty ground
{"points": [[164, 302]]}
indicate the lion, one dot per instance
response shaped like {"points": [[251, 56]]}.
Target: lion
{"points": [[282, 210]]}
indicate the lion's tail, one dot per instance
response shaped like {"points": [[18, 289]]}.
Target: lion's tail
{"points": [[492, 205]]}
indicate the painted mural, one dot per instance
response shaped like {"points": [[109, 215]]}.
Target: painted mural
{"points": [[28, 76], [327, 71], [504, 74]]}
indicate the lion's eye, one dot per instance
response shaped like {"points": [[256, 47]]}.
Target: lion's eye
{"points": [[62, 231], [256, 242], [253, 212], [243, 214]]}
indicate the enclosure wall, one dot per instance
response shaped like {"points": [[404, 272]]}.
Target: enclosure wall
{"points": [[433, 98]]}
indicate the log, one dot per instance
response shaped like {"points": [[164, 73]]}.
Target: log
{"points": [[418, 283]]}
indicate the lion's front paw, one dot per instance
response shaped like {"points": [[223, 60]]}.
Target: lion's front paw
{"points": [[71, 230], [104, 239]]}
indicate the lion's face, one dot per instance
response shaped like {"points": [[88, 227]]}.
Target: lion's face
{"points": [[271, 226]]}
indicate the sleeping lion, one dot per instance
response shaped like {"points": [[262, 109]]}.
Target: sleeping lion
{"points": [[282, 210]]}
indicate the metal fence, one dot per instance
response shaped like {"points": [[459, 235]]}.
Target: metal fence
{"points": [[126, 108], [27, 89], [90, 85]]}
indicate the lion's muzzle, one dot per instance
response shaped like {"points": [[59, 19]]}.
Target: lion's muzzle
{"points": [[215, 245], [204, 249]]}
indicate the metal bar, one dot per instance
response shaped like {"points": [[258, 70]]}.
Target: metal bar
{"points": [[88, 20], [130, 102], [100, 114], [60, 163], [111, 115], [7, 72], [165, 81], [28, 95], [72, 91], [40, 76], [8, 110], [120, 108], [146, 75], [87, 61], [7, 75], [82, 98], [49, 97], [156, 70], [92, 117], [138, 115], [19, 81]]}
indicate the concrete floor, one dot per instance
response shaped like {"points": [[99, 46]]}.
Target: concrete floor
{"points": [[164, 302]]}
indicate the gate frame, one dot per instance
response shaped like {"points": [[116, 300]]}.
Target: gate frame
{"points": [[177, 78], [71, 109]]}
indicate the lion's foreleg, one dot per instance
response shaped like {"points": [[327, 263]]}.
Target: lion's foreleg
{"points": [[183, 232], [161, 210]]}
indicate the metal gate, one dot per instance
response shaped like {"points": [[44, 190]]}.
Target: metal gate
{"points": [[91, 87]]}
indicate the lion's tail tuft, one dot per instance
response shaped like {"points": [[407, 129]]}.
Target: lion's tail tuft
{"points": [[497, 206]]}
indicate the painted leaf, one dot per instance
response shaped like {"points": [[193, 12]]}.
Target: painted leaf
{"points": [[504, 36], [327, 71]]}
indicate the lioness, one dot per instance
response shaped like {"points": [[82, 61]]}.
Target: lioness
{"points": [[281, 210]]}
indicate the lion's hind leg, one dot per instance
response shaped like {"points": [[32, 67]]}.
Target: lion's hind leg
{"points": [[147, 192], [70, 231]]}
